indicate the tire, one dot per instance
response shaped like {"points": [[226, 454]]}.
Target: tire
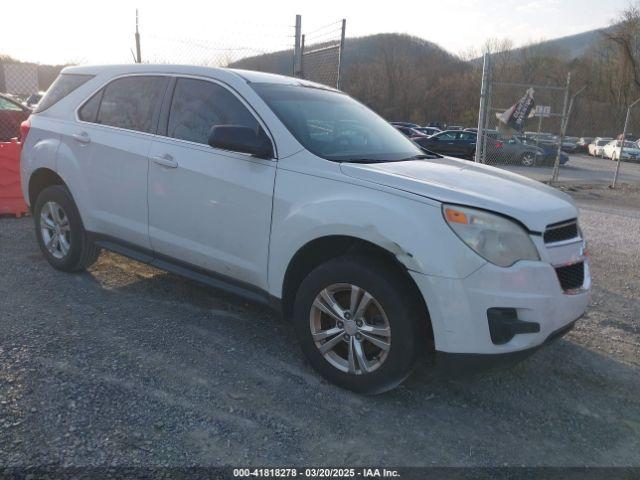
{"points": [[528, 159], [392, 306], [56, 216]]}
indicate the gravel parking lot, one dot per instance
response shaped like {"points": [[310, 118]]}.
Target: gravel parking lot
{"points": [[128, 365]]}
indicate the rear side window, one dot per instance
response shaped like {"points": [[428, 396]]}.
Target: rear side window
{"points": [[63, 86], [198, 105], [132, 103], [89, 111]]}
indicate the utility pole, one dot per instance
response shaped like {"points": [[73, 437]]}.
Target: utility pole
{"points": [[138, 54], [624, 137], [297, 50], [341, 53]]}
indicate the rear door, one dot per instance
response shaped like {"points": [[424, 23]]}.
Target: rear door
{"points": [[209, 207], [113, 139]]}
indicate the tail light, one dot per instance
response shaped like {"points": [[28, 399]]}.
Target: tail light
{"points": [[499, 144], [24, 129]]}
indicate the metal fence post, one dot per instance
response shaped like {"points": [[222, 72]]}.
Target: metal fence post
{"points": [[297, 52], [482, 111], [340, 53], [563, 123], [624, 136]]}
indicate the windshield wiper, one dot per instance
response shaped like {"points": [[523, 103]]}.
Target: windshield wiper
{"points": [[422, 156]]}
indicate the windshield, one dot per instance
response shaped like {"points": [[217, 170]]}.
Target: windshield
{"points": [[334, 126]]}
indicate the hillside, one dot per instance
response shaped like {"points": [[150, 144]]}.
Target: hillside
{"points": [[357, 51], [571, 46]]}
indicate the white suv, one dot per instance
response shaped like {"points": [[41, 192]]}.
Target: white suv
{"points": [[293, 194]]}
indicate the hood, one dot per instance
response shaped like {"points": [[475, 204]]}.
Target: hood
{"points": [[450, 180]]}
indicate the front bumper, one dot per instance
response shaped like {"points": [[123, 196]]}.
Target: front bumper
{"points": [[462, 364], [458, 307]]}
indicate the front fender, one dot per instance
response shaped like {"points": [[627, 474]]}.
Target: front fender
{"points": [[308, 207]]}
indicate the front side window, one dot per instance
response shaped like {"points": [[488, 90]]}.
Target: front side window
{"points": [[467, 136], [199, 105], [63, 86], [132, 103], [333, 126]]}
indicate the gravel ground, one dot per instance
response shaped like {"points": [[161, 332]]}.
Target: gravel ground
{"points": [[128, 365]]}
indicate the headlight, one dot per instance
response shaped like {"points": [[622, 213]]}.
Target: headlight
{"points": [[493, 237]]}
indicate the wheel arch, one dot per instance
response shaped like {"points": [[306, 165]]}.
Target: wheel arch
{"points": [[322, 249], [40, 179]]}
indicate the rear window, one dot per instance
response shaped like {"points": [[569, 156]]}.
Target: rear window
{"points": [[63, 86]]}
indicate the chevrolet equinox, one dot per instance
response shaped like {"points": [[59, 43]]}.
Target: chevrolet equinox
{"points": [[291, 193]]}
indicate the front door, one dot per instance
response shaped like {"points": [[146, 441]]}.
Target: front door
{"points": [[208, 207]]}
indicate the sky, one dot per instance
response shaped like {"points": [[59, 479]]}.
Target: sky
{"points": [[190, 31]]}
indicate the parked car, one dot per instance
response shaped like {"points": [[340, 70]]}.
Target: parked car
{"points": [[455, 143], [549, 152], [596, 148], [428, 131], [409, 132], [583, 144], [630, 152], [405, 124], [32, 100], [570, 144], [292, 194], [513, 151], [455, 127], [475, 130], [12, 114]]}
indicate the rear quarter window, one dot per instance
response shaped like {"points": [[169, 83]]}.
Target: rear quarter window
{"points": [[63, 86]]}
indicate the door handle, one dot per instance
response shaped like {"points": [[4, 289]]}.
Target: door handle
{"points": [[82, 138], [165, 161]]}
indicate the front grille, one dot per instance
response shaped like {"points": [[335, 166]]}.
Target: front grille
{"points": [[558, 232], [571, 277]]}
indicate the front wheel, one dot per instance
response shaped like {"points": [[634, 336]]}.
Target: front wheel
{"points": [[358, 325]]}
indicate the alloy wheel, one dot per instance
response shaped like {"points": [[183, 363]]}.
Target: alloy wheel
{"points": [[528, 159], [350, 328], [55, 229]]}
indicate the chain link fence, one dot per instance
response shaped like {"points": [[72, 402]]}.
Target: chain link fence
{"points": [[549, 129], [321, 54], [521, 124]]}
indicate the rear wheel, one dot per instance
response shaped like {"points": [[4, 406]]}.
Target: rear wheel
{"points": [[60, 233], [358, 324], [528, 159]]}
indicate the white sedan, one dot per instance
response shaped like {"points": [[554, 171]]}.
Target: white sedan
{"points": [[596, 147], [630, 152]]}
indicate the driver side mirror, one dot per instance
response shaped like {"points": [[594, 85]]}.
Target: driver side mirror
{"points": [[241, 139]]}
